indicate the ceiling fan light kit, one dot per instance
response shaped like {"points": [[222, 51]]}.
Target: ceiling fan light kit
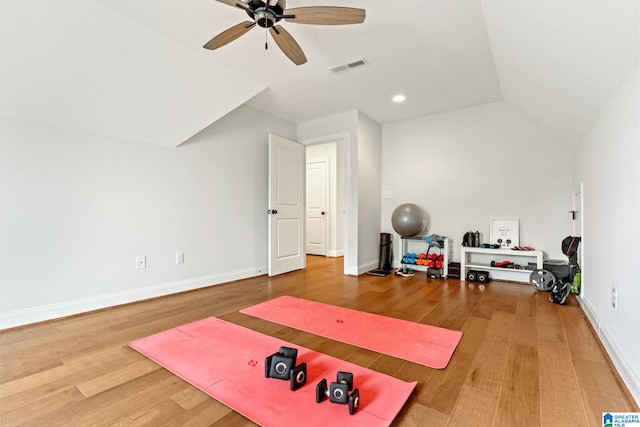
{"points": [[266, 13]]}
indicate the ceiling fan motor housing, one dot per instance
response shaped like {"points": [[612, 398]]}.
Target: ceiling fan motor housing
{"points": [[266, 16]]}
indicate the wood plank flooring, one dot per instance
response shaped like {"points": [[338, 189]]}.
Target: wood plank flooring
{"points": [[522, 360]]}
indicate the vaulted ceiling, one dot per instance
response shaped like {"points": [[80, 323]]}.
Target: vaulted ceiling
{"points": [[136, 69]]}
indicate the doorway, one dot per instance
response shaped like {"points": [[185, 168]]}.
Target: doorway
{"points": [[317, 202], [578, 229], [577, 212], [325, 193]]}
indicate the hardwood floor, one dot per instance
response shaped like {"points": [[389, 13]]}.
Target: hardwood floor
{"points": [[522, 360]]}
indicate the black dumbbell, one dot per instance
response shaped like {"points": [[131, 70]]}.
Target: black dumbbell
{"points": [[338, 392], [282, 365]]}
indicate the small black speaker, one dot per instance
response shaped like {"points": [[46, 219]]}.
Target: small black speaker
{"points": [[483, 276], [478, 276]]}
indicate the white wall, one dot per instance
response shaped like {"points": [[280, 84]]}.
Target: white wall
{"points": [[607, 162], [78, 208], [369, 181], [468, 166]]}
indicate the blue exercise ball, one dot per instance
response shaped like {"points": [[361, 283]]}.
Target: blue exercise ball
{"points": [[408, 220]]}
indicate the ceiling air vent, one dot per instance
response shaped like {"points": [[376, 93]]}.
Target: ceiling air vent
{"points": [[350, 66]]}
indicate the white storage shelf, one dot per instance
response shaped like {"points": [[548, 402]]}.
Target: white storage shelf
{"points": [[418, 244], [480, 259]]}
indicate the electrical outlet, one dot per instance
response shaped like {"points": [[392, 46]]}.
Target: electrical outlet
{"points": [[141, 262], [179, 257], [614, 298], [386, 194]]}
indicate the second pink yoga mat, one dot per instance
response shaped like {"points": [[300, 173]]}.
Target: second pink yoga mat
{"points": [[424, 344]]}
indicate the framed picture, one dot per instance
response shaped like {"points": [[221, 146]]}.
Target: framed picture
{"points": [[505, 232]]}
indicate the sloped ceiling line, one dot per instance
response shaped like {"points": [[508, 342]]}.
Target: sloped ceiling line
{"points": [[135, 69]]}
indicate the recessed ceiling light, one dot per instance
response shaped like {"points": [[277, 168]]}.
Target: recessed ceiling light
{"points": [[399, 98]]}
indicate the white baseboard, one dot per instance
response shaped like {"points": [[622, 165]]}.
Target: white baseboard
{"points": [[336, 254], [69, 308], [363, 268], [626, 373]]}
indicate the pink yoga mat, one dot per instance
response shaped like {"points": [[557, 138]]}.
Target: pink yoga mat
{"points": [[424, 344], [226, 361]]}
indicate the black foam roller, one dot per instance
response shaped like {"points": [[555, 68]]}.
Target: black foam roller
{"points": [[385, 252]]}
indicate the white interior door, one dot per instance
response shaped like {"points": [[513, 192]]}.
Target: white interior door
{"points": [[577, 213], [286, 205], [578, 207], [316, 211]]}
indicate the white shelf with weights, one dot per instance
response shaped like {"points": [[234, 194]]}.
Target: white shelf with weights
{"points": [[419, 244], [480, 259]]}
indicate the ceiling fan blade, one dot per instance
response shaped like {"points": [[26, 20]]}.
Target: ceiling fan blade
{"points": [[288, 45], [235, 3], [325, 15], [229, 35]]}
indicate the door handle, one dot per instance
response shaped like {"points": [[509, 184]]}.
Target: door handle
{"points": [[321, 213]]}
